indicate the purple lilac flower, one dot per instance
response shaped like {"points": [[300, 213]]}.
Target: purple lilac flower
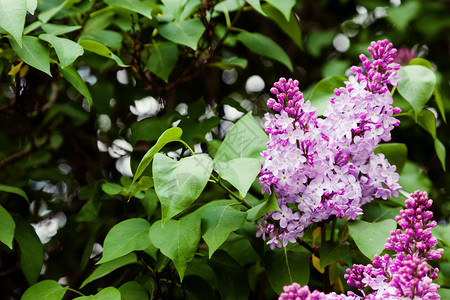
{"points": [[323, 167], [405, 276]]}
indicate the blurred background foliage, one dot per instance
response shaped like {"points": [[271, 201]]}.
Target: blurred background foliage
{"points": [[95, 83]]}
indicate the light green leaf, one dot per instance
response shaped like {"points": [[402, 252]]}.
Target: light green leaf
{"points": [[179, 183], [420, 62], [109, 293], [256, 6], [441, 152], [417, 84], [31, 250], [371, 237], [14, 190], [442, 233], [133, 5], [163, 57], [109, 38], [258, 211], [31, 27], [132, 290], [12, 18], [439, 102], [285, 6], [413, 178], [444, 293], [33, 53], [245, 139], [57, 29], [45, 290], [323, 91], [291, 27], [229, 5], [402, 15], [284, 267], [231, 279], [170, 135], [173, 8], [240, 172], [112, 188], [262, 45], [331, 252], [396, 154], [66, 49], [186, 33], [219, 219], [108, 267], [7, 226], [72, 76], [177, 239], [48, 14], [31, 6], [127, 236], [102, 50]]}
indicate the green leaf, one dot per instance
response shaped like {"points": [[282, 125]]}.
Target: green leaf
{"points": [[413, 178], [256, 6], [219, 219], [377, 211], [31, 6], [396, 154], [441, 152], [231, 279], [285, 6], [240, 172], [177, 239], [133, 5], [12, 18], [66, 49], [229, 5], [14, 190], [258, 211], [173, 8], [112, 188], [163, 57], [179, 183], [420, 62], [331, 252], [127, 236], [402, 15], [33, 53], [284, 267], [132, 290], [442, 233], [317, 40], [101, 50], [45, 16], [72, 76], [57, 29], [170, 135], [262, 45], [109, 293], [245, 139], [439, 102], [417, 84], [291, 27], [186, 33], [109, 38], [230, 63], [31, 250], [427, 121], [46, 290], [444, 293], [324, 90], [108, 267], [371, 237], [7, 226]]}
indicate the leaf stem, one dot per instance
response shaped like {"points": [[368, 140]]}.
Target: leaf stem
{"points": [[187, 146], [75, 291], [230, 192]]}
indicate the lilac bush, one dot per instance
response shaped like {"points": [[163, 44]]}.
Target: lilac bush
{"points": [[324, 167], [407, 275]]}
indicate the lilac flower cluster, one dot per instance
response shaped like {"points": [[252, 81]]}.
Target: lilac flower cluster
{"points": [[323, 167], [406, 276]]}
